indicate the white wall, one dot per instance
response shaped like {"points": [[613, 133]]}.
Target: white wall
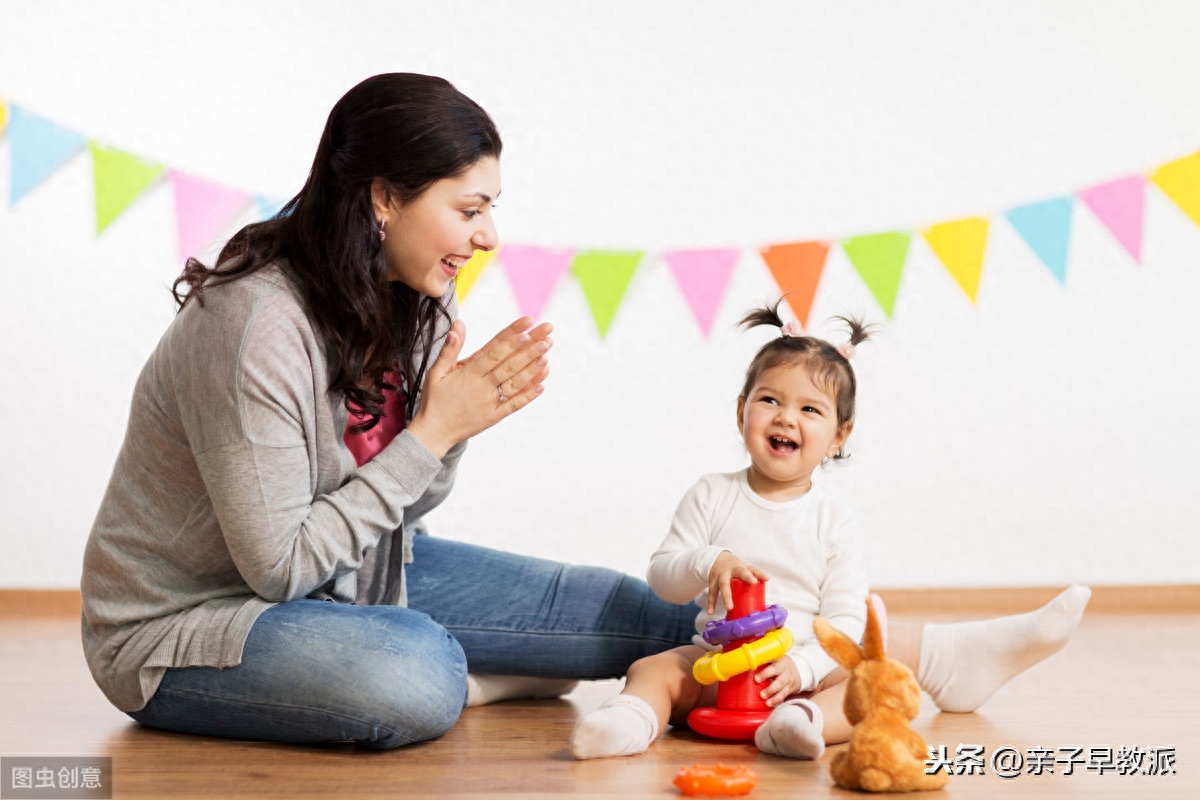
{"points": [[1044, 435]]}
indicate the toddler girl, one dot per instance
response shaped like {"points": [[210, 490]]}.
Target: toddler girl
{"points": [[769, 522]]}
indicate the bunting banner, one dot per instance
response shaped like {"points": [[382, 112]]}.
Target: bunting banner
{"points": [[469, 272], [959, 246], [38, 147], [201, 210], [703, 276], [534, 273], [1180, 181], [797, 270], [119, 179], [879, 259], [268, 208], [1046, 228], [604, 276], [1120, 206]]}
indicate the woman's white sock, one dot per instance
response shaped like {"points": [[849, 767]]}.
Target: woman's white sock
{"points": [[484, 689], [793, 730], [963, 664], [623, 726]]}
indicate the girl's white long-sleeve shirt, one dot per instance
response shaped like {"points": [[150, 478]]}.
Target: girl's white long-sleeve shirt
{"points": [[810, 547]]}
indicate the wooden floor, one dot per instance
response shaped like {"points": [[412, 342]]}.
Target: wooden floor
{"points": [[1127, 680]]}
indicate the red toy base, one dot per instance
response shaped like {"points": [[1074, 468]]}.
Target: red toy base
{"points": [[721, 723]]}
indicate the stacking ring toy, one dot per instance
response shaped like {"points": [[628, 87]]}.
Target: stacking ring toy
{"points": [[715, 779], [723, 631], [713, 667]]}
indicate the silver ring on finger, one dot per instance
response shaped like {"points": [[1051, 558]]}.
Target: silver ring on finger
{"points": [[500, 391]]}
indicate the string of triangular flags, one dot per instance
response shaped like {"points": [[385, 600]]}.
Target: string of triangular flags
{"points": [[39, 147]]}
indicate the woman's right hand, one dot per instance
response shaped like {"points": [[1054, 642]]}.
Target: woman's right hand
{"points": [[461, 398], [724, 569]]}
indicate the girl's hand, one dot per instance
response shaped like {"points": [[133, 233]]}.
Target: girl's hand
{"points": [[726, 567], [463, 398], [784, 680]]}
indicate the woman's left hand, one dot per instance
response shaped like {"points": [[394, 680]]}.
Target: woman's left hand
{"points": [[784, 680], [463, 397]]}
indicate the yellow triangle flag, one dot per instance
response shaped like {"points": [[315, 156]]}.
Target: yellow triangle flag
{"points": [[119, 178], [1180, 181], [960, 244], [471, 271], [3, 116]]}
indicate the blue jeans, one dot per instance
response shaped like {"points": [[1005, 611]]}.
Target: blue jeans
{"points": [[383, 676]]}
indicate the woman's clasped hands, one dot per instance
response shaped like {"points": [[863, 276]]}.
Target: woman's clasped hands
{"points": [[467, 396]]}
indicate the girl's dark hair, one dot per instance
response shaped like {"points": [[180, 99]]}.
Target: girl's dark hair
{"points": [[411, 130], [828, 367]]}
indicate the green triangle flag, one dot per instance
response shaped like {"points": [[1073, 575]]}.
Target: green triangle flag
{"points": [[119, 178], [879, 259], [959, 245], [605, 275]]}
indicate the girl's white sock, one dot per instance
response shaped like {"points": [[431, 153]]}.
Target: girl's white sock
{"points": [[963, 664], [793, 730], [484, 689], [623, 726]]}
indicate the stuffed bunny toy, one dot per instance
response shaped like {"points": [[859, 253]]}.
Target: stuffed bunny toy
{"points": [[885, 754]]}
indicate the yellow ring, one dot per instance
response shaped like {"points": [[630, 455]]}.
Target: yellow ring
{"points": [[720, 666]]}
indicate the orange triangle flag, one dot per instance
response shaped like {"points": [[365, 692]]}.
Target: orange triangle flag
{"points": [[797, 268], [960, 244]]}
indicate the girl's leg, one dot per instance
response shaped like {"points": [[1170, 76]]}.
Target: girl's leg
{"points": [[962, 664], [518, 615], [659, 689], [801, 726], [314, 671]]}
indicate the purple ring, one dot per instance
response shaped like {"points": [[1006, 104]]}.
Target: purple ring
{"points": [[756, 623]]}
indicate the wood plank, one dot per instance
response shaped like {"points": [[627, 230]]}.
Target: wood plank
{"points": [[25, 603], [1012, 600], [1125, 680], [21, 603]]}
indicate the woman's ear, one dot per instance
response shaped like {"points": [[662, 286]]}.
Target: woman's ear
{"points": [[381, 199]]}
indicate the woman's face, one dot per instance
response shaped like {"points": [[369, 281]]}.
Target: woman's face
{"points": [[430, 238]]}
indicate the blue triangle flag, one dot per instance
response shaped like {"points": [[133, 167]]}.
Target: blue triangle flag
{"points": [[266, 207], [38, 148], [1046, 228]]}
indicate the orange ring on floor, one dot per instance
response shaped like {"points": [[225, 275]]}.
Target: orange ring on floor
{"points": [[715, 779]]}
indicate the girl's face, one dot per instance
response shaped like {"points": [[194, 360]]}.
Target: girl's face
{"points": [[430, 238], [789, 424]]}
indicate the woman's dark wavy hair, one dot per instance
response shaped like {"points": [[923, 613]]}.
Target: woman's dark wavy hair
{"points": [[411, 130], [828, 367]]}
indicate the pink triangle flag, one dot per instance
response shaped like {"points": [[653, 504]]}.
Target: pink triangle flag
{"points": [[533, 272], [1119, 205], [201, 210], [703, 276]]}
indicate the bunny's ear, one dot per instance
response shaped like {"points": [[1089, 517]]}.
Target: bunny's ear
{"points": [[840, 647], [873, 637]]}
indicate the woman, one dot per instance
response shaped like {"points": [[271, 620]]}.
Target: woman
{"points": [[304, 410], [257, 568]]}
